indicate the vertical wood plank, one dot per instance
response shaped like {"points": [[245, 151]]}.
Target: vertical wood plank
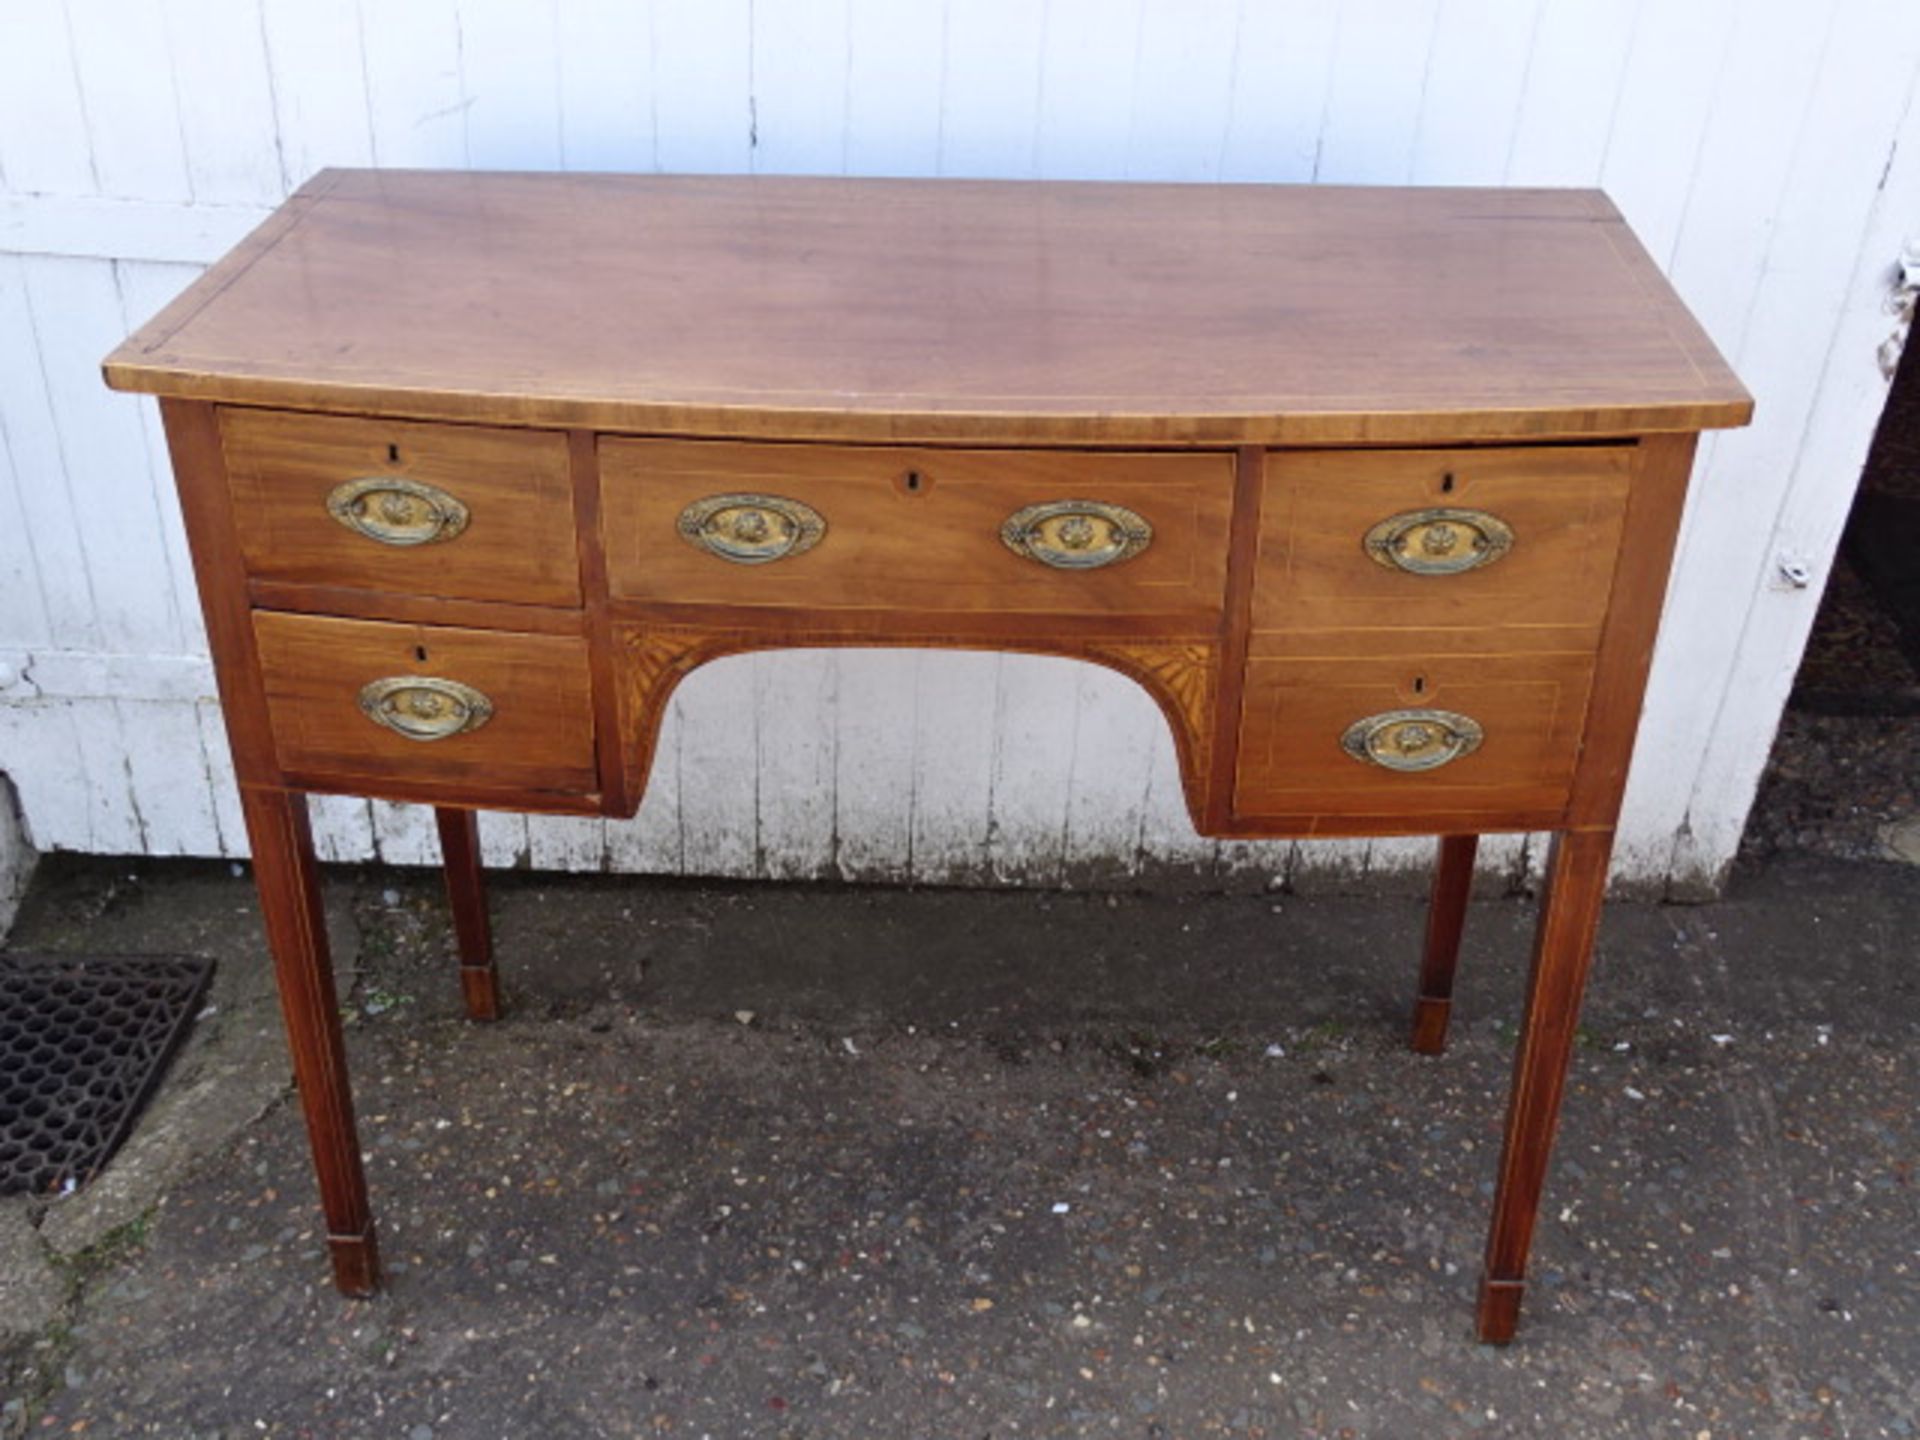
{"points": [[122, 55], [575, 843], [894, 75], [1282, 66], [1819, 278], [221, 786], [44, 140], [416, 94], [651, 842], [701, 86], [606, 85], [143, 288], [1088, 54], [1573, 81], [167, 780], [873, 784], [223, 88], [719, 769], [1168, 843], [953, 722], [990, 90], [509, 70], [1374, 91], [1470, 101], [34, 445], [1117, 729], [1182, 89], [105, 468], [1032, 768], [318, 73], [1666, 95], [403, 834], [800, 57], [797, 701]]}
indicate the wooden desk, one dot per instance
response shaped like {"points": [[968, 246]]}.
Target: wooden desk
{"points": [[1373, 490]]}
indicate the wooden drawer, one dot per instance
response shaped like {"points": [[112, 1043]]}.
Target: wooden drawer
{"points": [[456, 510], [912, 529], [323, 676], [1301, 715], [1557, 509]]}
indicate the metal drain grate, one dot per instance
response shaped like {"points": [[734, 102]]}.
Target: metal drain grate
{"points": [[84, 1040]]}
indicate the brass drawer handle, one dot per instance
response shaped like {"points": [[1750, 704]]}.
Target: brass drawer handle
{"points": [[424, 707], [1412, 740], [1076, 534], [394, 511], [752, 529], [1439, 542]]}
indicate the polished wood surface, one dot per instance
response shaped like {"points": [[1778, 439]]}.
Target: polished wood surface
{"points": [[1295, 711], [1564, 504], [1446, 922], [467, 903], [972, 311], [539, 737], [517, 545], [1576, 883], [918, 529], [1263, 375]]}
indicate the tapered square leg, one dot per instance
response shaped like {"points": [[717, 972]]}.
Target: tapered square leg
{"points": [[1446, 918], [1562, 953], [467, 895], [289, 884]]}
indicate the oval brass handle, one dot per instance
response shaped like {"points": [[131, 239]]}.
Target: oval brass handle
{"points": [[751, 529], [1412, 739], [1076, 534], [1439, 542], [394, 511], [424, 707]]}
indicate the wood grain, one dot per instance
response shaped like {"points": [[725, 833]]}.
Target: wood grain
{"points": [[916, 529], [517, 545], [1570, 901], [1564, 504], [540, 737], [467, 902], [1295, 711], [1182, 676], [968, 311]]}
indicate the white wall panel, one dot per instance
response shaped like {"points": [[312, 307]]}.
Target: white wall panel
{"points": [[1753, 146]]}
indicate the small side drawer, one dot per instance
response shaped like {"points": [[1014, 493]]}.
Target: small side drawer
{"points": [[885, 528], [457, 511], [1410, 734], [1431, 539], [427, 705]]}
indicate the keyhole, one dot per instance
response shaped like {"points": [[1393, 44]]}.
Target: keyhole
{"points": [[1419, 684], [393, 454], [914, 481], [1446, 483], [420, 652]]}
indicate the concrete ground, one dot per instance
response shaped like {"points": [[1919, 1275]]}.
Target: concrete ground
{"points": [[776, 1161]]}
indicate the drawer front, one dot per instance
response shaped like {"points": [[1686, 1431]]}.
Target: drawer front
{"points": [[428, 704], [1410, 734], [445, 510], [1521, 539], [916, 529]]}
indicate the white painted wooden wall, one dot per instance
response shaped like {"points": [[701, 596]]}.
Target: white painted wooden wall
{"points": [[1767, 151]]}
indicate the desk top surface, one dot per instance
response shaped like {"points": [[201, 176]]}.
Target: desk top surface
{"points": [[971, 311]]}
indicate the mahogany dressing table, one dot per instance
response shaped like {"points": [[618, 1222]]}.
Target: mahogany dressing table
{"points": [[1373, 490]]}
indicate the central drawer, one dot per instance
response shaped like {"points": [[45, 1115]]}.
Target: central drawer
{"points": [[894, 528]]}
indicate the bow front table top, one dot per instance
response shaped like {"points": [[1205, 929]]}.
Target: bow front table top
{"points": [[1373, 490]]}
